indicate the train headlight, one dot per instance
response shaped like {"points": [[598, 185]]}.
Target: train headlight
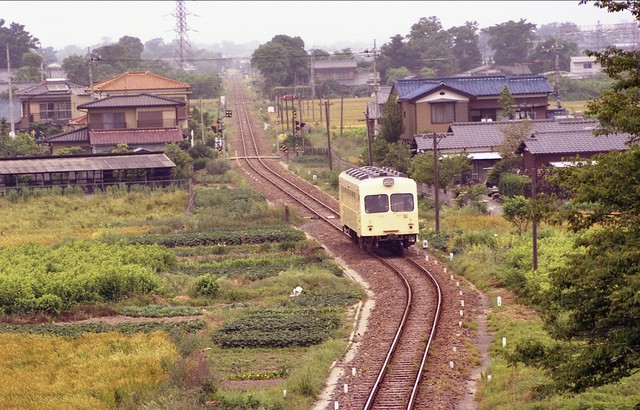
{"points": [[388, 182]]}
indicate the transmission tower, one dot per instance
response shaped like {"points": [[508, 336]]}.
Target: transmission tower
{"points": [[182, 54]]}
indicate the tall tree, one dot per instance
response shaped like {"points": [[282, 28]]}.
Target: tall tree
{"points": [[507, 102], [465, 46], [431, 47], [283, 61], [618, 109], [592, 306], [19, 41], [391, 126], [511, 41]]}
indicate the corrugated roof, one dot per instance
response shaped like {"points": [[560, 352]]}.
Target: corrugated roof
{"points": [[478, 86], [490, 134], [136, 100], [139, 80], [84, 163], [135, 136], [79, 135], [574, 142]]}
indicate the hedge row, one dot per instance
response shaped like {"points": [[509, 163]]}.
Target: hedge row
{"points": [[254, 236]]}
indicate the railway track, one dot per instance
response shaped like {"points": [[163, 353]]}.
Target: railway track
{"points": [[403, 340]]}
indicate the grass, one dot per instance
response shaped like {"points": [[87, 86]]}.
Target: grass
{"points": [[94, 371], [52, 219]]}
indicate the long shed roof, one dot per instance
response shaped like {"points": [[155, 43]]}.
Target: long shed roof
{"points": [[84, 163]]}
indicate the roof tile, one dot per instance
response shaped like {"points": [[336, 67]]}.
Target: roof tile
{"points": [[139, 80]]}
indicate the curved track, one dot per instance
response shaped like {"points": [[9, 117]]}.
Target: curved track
{"points": [[395, 385]]}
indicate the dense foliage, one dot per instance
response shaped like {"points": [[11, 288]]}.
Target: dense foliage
{"points": [[38, 278]]}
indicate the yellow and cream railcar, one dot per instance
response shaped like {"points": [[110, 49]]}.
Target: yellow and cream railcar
{"points": [[378, 208]]}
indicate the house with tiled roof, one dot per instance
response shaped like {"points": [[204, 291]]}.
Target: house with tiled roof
{"points": [[140, 121], [482, 141], [146, 82], [54, 100], [565, 148], [432, 104]]}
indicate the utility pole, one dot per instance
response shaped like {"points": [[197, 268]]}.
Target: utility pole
{"points": [[313, 89], [201, 122], [13, 125], [436, 180], [326, 107], [534, 225]]}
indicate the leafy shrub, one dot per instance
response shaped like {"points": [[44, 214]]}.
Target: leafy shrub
{"points": [[512, 184], [217, 166], [468, 239], [49, 303], [206, 286]]}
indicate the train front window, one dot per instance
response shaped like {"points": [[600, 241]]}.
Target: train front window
{"points": [[376, 203], [402, 202]]}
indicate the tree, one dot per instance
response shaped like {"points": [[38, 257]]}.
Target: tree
{"points": [[182, 160], [22, 145], [592, 307], [514, 133], [507, 102], [30, 70], [517, 210], [543, 56], [283, 61], [395, 74], [422, 169], [392, 55], [394, 155], [19, 40], [391, 126], [465, 46], [511, 41], [431, 47]]}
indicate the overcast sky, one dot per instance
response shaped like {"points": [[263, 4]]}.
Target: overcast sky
{"points": [[319, 23]]}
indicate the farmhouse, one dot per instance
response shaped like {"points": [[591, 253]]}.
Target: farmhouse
{"points": [[432, 104], [482, 141]]}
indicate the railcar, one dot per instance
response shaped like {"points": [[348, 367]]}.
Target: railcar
{"points": [[378, 208]]}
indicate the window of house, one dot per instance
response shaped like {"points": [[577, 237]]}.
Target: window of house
{"points": [[525, 114], [150, 119], [586, 65], [442, 113], [483, 115], [113, 120], [55, 110]]}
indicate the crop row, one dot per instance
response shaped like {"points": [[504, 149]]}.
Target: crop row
{"points": [[279, 329], [79, 329], [240, 237]]}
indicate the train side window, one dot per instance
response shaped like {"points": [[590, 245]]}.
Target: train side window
{"points": [[402, 202], [376, 203]]}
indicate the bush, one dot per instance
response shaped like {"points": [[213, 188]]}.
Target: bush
{"points": [[512, 184], [49, 303], [217, 167], [206, 286]]}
